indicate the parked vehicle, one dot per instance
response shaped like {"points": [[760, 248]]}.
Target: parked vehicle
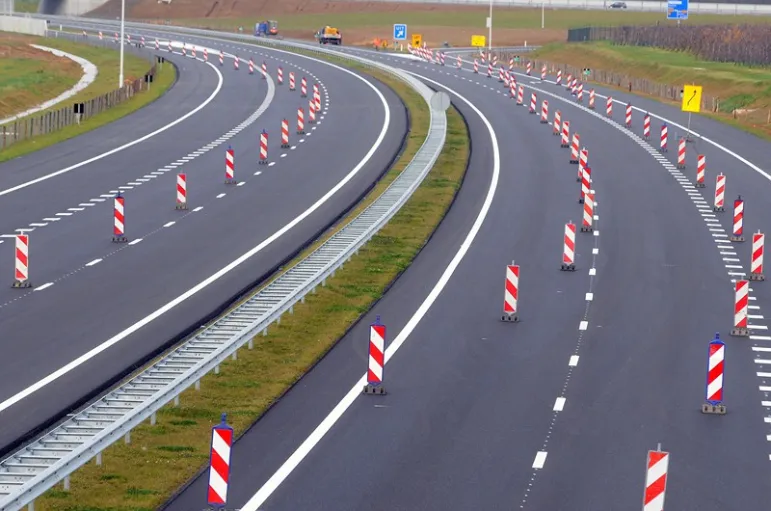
{"points": [[266, 28], [617, 5], [330, 35]]}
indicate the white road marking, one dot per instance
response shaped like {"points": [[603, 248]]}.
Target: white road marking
{"points": [[540, 459], [96, 350], [267, 489], [95, 261], [199, 208], [39, 224], [595, 251], [169, 224], [44, 286], [75, 209], [589, 297], [241, 183], [221, 195], [559, 404], [86, 204], [593, 271], [583, 325], [63, 214], [124, 146], [573, 361], [134, 242]]}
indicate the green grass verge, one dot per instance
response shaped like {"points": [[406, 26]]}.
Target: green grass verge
{"points": [[736, 86], [107, 62], [465, 18], [29, 76], [142, 475], [26, 5]]}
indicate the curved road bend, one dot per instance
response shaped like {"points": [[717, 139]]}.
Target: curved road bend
{"points": [[471, 399], [91, 304]]}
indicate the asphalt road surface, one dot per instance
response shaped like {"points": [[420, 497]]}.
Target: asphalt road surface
{"points": [[473, 418], [89, 290]]}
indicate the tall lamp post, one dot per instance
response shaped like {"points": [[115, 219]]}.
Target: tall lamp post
{"points": [[490, 31], [122, 39]]}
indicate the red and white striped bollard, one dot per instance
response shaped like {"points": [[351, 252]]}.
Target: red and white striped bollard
{"points": [[628, 116], [756, 258], [529, 68], [230, 166], [511, 294], [565, 141], [285, 133], [21, 262], [664, 137], [656, 481], [557, 123], [219, 464], [251, 66], [544, 111], [558, 81], [476, 66], [543, 72], [741, 303], [181, 191], [569, 248], [300, 121], [521, 96], [311, 112], [715, 377], [583, 161], [586, 183], [574, 148], [609, 107], [533, 103], [738, 223], [376, 364], [264, 147], [280, 75], [719, 193], [701, 167], [591, 99], [119, 219], [264, 70], [681, 153], [647, 126], [586, 224], [291, 81], [303, 87]]}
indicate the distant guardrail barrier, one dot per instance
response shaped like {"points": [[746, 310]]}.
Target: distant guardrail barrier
{"points": [[82, 436], [701, 7], [51, 121]]}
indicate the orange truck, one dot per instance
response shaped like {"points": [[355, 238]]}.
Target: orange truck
{"points": [[330, 35]]}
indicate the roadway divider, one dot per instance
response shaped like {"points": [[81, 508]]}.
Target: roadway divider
{"points": [[52, 457]]}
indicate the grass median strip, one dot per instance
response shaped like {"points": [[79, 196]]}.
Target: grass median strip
{"points": [[161, 457], [106, 61]]}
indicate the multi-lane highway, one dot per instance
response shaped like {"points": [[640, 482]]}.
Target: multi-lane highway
{"points": [[99, 308], [557, 411]]}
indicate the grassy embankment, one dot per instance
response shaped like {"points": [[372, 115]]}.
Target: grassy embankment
{"points": [[29, 76], [737, 86], [107, 63], [511, 25], [140, 476]]}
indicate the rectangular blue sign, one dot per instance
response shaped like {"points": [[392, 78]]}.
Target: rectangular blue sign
{"points": [[400, 32], [677, 9]]}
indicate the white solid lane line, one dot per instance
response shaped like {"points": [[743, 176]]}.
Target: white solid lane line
{"points": [[267, 489], [55, 375], [95, 261], [44, 286], [124, 146], [540, 459]]}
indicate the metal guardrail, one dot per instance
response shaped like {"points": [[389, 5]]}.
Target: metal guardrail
{"points": [[49, 459]]}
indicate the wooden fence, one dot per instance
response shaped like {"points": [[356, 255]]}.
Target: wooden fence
{"points": [[54, 120]]}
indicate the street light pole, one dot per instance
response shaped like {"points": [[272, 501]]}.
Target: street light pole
{"points": [[122, 39], [490, 32], [543, 15]]}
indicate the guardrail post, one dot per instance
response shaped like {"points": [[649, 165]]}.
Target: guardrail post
{"points": [[216, 369], [67, 483], [99, 459], [153, 419], [197, 384], [176, 401], [251, 343], [235, 355], [127, 437], [31, 506], [291, 309], [302, 300], [265, 332]]}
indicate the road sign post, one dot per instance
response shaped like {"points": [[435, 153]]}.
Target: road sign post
{"points": [[400, 32], [677, 10], [691, 102]]}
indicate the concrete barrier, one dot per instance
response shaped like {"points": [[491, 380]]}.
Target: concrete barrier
{"points": [[21, 25]]}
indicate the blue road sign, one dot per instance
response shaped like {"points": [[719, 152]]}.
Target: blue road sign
{"points": [[400, 32], [677, 9]]}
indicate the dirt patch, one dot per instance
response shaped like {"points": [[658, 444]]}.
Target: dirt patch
{"points": [[29, 76]]}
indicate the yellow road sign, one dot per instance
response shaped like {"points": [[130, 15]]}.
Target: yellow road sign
{"points": [[692, 98], [478, 41], [417, 40]]}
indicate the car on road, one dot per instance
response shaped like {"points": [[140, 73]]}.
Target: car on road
{"points": [[617, 5]]}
